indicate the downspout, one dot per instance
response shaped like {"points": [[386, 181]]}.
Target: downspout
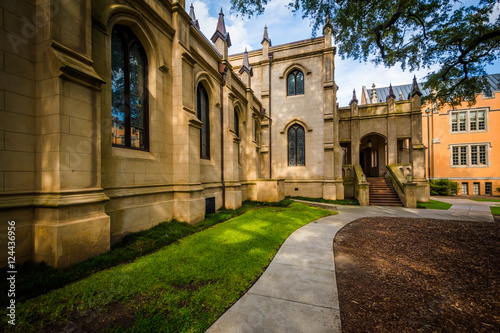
{"points": [[270, 122], [223, 71]]}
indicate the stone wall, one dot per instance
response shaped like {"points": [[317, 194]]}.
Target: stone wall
{"points": [[70, 191]]}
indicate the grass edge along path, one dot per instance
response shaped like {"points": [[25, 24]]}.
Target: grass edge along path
{"points": [[434, 204], [495, 210], [487, 200], [183, 287]]}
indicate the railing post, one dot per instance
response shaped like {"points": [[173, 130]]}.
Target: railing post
{"points": [[364, 193], [361, 187], [410, 190]]}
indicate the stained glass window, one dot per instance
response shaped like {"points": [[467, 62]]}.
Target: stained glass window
{"points": [[296, 146], [295, 83], [256, 131], [129, 91], [203, 115], [236, 123]]}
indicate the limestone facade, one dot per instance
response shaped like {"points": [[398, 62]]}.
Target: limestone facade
{"points": [[460, 142], [87, 159]]}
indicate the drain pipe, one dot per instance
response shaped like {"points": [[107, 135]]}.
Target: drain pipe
{"points": [[223, 71], [270, 121]]}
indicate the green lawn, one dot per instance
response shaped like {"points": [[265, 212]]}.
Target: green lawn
{"points": [[37, 279], [495, 210], [353, 202], [183, 287], [489, 200], [434, 204]]}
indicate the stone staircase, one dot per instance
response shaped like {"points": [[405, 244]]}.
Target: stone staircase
{"points": [[382, 193]]}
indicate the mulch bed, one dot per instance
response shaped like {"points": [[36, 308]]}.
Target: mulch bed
{"points": [[418, 275]]}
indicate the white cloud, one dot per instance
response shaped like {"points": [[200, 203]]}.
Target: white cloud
{"points": [[236, 26], [207, 23]]}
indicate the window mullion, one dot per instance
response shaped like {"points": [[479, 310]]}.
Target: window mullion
{"points": [[296, 143], [295, 75], [127, 95]]}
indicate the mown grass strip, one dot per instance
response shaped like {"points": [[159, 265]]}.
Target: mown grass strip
{"points": [[434, 204], [37, 279], [495, 210], [488, 200], [183, 287]]}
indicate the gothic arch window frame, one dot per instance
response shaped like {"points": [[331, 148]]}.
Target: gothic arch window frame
{"points": [[294, 73], [236, 122], [203, 115], [128, 40], [256, 131], [294, 145]]}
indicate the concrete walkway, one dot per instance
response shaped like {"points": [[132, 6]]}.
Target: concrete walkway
{"points": [[298, 291]]}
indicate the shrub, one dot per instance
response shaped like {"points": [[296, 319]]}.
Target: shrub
{"points": [[443, 187]]}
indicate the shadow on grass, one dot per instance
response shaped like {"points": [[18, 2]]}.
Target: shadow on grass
{"points": [[35, 279], [183, 287]]}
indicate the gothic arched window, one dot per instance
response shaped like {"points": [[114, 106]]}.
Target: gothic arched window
{"points": [[295, 83], [296, 146], [203, 114], [236, 123], [129, 90]]}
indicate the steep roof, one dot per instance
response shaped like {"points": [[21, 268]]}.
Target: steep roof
{"points": [[406, 89]]}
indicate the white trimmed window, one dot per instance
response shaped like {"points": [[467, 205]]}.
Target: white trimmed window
{"points": [[469, 155], [468, 121]]}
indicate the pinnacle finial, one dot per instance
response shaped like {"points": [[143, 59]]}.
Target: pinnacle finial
{"points": [[354, 99], [220, 32], [391, 92], [245, 67], [415, 90], [266, 36], [327, 28], [193, 17], [373, 98]]}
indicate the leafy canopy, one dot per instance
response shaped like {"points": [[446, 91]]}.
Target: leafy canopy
{"points": [[461, 37]]}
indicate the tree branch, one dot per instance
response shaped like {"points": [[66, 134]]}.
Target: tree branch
{"points": [[387, 24], [422, 23]]}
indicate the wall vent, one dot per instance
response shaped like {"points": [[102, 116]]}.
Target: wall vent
{"points": [[209, 205]]}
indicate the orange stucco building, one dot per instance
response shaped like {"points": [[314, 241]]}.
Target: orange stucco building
{"points": [[463, 142]]}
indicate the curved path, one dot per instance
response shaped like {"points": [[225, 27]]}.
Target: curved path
{"points": [[298, 291]]}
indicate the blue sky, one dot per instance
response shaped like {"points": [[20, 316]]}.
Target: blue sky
{"points": [[284, 27]]}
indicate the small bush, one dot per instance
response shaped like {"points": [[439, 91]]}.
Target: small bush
{"points": [[443, 187]]}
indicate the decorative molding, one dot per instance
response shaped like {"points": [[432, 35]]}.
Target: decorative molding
{"points": [[295, 65], [188, 58], [293, 121], [76, 67]]}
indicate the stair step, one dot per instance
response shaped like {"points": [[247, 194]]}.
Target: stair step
{"points": [[382, 193], [386, 204]]}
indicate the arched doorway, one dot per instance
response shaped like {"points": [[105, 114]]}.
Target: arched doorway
{"points": [[373, 155]]}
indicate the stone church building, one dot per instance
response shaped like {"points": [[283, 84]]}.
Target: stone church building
{"points": [[117, 115]]}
